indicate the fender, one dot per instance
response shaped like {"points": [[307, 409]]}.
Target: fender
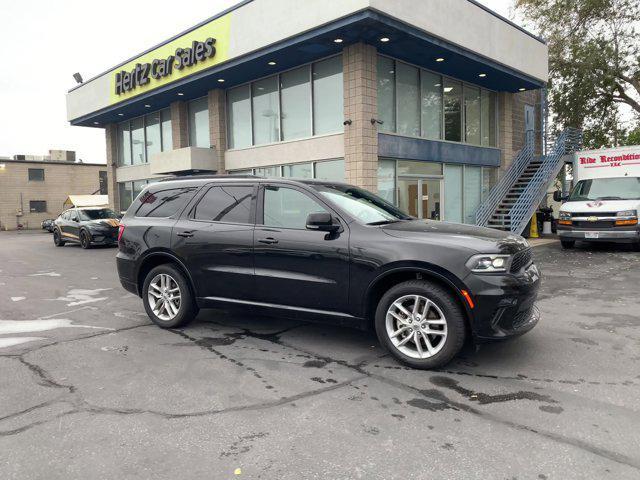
{"points": [[166, 254], [427, 269]]}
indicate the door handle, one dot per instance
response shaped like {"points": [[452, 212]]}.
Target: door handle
{"points": [[185, 234], [268, 240]]}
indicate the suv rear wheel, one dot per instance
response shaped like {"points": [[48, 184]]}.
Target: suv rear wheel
{"points": [[421, 324], [167, 297]]}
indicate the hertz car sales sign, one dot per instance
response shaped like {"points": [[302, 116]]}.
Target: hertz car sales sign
{"points": [[197, 50]]}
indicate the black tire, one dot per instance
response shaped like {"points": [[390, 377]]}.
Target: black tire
{"points": [[567, 244], [85, 239], [57, 239], [449, 306], [187, 311]]}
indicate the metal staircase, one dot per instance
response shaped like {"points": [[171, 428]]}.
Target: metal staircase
{"points": [[514, 199]]}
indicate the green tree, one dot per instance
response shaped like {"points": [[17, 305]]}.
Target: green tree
{"points": [[594, 64]]}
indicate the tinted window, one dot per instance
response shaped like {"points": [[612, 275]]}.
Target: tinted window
{"points": [[99, 214], [73, 216], [288, 208], [164, 203], [225, 204]]}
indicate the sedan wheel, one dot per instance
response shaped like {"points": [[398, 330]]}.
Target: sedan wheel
{"points": [[164, 297], [416, 326], [85, 240]]}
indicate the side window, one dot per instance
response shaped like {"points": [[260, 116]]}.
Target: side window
{"points": [[230, 204], [288, 208], [164, 203], [73, 216]]}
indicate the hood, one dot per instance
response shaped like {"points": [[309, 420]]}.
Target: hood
{"points": [[471, 237], [598, 206]]}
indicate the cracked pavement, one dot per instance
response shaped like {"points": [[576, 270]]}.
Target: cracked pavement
{"points": [[289, 400]]}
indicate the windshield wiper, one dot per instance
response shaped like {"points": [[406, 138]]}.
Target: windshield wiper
{"points": [[385, 222]]}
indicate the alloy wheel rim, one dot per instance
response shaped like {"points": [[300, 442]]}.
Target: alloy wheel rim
{"points": [[416, 326], [164, 296]]}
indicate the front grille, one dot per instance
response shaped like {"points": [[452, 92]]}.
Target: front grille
{"points": [[596, 224], [594, 214], [521, 260]]}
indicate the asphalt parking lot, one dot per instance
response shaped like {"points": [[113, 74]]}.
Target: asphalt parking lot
{"points": [[91, 390]]}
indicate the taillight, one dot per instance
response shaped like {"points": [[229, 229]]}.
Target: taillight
{"points": [[120, 231]]}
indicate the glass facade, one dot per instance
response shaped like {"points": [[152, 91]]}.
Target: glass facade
{"points": [[418, 103], [295, 98], [450, 192], [295, 104], [198, 111], [141, 137], [332, 170]]}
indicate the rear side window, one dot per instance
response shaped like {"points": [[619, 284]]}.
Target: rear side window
{"points": [[164, 203], [231, 204]]}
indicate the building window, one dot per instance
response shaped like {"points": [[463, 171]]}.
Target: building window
{"points": [[332, 170], [452, 110], [125, 191], [419, 103], [453, 193], [287, 106], [408, 94], [198, 112], [387, 94], [138, 155], [387, 180], [239, 112], [165, 129], [472, 192], [266, 111], [328, 99], [153, 134], [124, 144], [295, 98], [37, 206], [103, 182], [36, 174]]}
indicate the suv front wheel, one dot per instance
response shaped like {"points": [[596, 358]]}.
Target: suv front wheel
{"points": [[421, 324], [167, 297]]}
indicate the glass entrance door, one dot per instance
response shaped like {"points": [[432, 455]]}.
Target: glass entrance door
{"points": [[420, 197]]}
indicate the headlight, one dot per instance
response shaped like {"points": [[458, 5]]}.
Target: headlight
{"points": [[627, 213], [489, 263], [564, 216]]}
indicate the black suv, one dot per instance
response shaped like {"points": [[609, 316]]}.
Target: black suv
{"points": [[325, 251]]}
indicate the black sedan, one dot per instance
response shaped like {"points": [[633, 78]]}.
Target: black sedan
{"points": [[87, 226]]}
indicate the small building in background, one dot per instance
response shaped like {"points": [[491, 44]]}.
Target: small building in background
{"points": [[35, 187]]}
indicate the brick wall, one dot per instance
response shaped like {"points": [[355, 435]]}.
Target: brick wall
{"points": [[111, 134], [217, 125], [360, 106], [179, 125], [60, 181]]}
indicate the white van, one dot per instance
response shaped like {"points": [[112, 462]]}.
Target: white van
{"points": [[604, 202]]}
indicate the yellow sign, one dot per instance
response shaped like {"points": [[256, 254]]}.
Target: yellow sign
{"points": [[197, 50]]}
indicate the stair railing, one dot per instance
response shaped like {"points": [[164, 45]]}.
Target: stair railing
{"points": [[488, 206], [568, 141]]}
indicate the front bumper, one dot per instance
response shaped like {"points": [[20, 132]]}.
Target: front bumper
{"points": [[104, 237], [595, 235], [504, 304]]}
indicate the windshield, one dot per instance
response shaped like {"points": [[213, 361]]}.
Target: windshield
{"points": [[100, 214], [618, 188], [361, 204]]}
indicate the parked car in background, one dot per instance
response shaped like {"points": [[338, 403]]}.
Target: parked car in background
{"points": [[604, 202], [48, 224], [87, 226], [325, 251]]}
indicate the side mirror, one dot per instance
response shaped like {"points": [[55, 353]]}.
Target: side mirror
{"points": [[559, 197], [322, 221]]}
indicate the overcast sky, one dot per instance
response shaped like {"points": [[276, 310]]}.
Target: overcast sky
{"points": [[43, 42]]}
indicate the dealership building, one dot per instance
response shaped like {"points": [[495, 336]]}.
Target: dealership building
{"points": [[425, 102]]}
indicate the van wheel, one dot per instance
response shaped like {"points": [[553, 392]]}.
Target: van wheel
{"points": [[85, 240], [167, 297], [57, 239], [567, 244], [421, 324]]}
